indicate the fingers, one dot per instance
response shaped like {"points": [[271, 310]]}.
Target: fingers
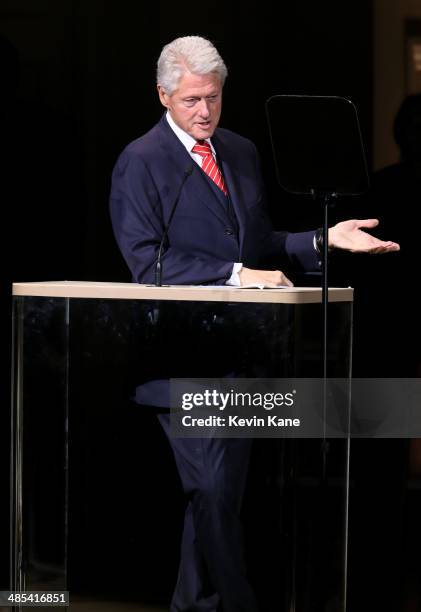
{"points": [[278, 278], [367, 222], [385, 247], [392, 246], [377, 247]]}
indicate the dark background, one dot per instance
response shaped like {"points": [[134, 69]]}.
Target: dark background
{"points": [[78, 83]]}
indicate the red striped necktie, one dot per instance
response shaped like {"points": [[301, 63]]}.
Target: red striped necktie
{"points": [[209, 165]]}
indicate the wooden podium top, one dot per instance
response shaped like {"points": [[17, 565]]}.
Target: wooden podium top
{"points": [[133, 291]]}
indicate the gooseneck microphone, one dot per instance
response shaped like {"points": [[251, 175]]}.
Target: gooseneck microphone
{"points": [[158, 268]]}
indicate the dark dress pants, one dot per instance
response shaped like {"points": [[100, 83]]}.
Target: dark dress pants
{"points": [[212, 572]]}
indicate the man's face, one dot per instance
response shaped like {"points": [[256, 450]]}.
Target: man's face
{"points": [[196, 104]]}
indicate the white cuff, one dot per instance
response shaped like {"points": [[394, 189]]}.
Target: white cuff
{"points": [[234, 279]]}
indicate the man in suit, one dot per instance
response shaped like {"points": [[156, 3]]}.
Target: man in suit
{"points": [[219, 234]]}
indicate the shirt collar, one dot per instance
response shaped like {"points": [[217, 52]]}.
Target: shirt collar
{"points": [[187, 140]]}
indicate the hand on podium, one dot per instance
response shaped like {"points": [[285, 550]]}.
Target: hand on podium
{"points": [[268, 278]]}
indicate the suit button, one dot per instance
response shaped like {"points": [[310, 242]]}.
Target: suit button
{"points": [[229, 232]]}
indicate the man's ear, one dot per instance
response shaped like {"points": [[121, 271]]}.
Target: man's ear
{"points": [[164, 98]]}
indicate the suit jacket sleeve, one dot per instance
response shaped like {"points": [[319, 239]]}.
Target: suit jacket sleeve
{"points": [[138, 224]]}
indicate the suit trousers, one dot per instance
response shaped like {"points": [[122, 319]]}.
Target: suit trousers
{"points": [[212, 574]]}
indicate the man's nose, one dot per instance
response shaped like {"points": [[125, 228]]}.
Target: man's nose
{"points": [[203, 108]]}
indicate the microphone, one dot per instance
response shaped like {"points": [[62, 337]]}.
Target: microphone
{"points": [[158, 268]]}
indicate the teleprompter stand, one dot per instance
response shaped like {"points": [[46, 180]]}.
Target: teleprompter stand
{"points": [[318, 151]]}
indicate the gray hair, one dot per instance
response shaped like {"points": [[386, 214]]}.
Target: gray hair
{"points": [[188, 54]]}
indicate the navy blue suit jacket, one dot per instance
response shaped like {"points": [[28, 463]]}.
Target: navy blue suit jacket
{"points": [[203, 240]]}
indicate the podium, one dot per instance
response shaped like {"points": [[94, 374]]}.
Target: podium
{"points": [[96, 503]]}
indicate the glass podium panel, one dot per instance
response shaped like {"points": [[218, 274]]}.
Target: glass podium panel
{"points": [[40, 444], [97, 502]]}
